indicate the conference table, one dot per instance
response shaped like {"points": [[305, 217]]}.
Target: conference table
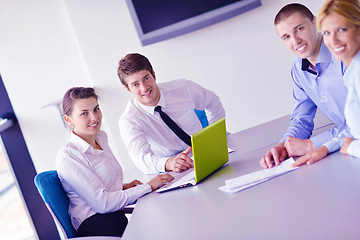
{"points": [[318, 201]]}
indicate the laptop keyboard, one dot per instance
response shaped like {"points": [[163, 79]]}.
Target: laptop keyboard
{"points": [[180, 180], [185, 179]]}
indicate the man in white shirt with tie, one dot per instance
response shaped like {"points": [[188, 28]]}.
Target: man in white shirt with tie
{"points": [[152, 144]]}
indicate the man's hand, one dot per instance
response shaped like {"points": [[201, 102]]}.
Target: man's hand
{"points": [[131, 184], [347, 141], [312, 156], [298, 147], [179, 163], [274, 155]]}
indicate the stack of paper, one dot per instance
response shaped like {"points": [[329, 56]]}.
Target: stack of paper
{"points": [[251, 179]]}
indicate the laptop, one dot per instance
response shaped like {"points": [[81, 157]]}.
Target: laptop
{"points": [[210, 152]]}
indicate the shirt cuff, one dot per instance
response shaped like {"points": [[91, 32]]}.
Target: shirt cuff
{"points": [[321, 139], [333, 145], [135, 193], [161, 164]]}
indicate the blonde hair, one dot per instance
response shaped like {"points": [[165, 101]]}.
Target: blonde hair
{"points": [[348, 9]]}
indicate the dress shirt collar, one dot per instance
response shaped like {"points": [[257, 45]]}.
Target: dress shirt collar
{"points": [[352, 70], [323, 56], [83, 146], [305, 66], [151, 109]]}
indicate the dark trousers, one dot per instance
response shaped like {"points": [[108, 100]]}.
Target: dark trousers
{"points": [[107, 224]]}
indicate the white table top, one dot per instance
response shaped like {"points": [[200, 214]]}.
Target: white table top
{"points": [[320, 201]]}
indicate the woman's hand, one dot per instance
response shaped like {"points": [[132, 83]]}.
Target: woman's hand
{"points": [[347, 141], [312, 156], [131, 184], [160, 180]]}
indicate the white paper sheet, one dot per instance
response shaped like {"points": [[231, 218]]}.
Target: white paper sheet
{"points": [[251, 179]]}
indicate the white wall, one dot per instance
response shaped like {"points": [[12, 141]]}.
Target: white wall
{"points": [[47, 46]]}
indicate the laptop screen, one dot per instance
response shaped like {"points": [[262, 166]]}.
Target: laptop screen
{"points": [[210, 150]]}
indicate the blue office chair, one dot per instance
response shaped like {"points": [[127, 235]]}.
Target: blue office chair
{"points": [[202, 117], [56, 200]]}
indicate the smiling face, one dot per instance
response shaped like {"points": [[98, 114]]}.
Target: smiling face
{"points": [[143, 86], [85, 118], [341, 37], [299, 34]]}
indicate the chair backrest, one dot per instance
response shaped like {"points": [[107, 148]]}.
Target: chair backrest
{"points": [[202, 117], [55, 198]]}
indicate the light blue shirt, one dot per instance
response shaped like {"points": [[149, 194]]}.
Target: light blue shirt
{"points": [[352, 106], [324, 89]]}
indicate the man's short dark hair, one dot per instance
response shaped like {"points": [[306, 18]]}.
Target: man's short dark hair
{"points": [[290, 9], [133, 63]]}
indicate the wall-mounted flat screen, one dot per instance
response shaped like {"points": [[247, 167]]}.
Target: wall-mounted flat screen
{"points": [[157, 20]]}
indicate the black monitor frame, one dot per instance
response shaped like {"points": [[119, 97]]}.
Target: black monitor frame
{"points": [[190, 24]]}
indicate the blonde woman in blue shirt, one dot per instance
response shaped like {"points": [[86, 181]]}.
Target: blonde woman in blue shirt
{"points": [[90, 173], [339, 22]]}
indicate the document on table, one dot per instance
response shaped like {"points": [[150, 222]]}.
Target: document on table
{"points": [[251, 179]]}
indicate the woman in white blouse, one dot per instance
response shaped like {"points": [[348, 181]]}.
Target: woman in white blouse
{"points": [[90, 173]]}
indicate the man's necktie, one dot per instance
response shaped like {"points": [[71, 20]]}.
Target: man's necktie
{"points": [[173, 126]]}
